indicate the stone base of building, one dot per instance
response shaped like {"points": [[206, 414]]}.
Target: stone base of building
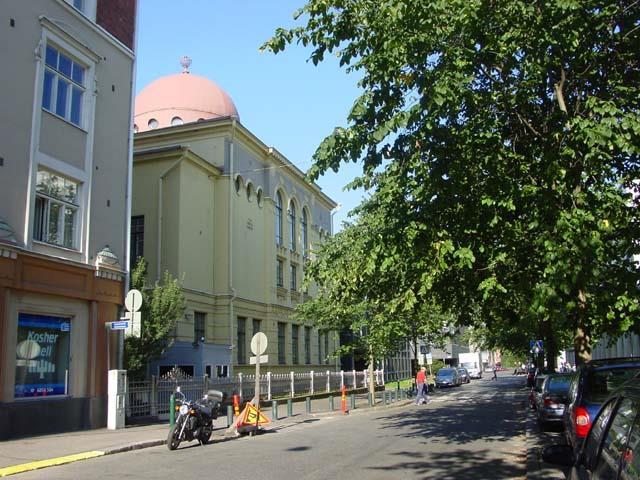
{"points": [[40, 417]]}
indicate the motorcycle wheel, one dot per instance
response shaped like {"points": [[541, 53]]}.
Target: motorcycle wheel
{"points": [[173, 441], [205, 435]]}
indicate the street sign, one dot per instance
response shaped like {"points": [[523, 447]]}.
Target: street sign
{"points": [[133, 300], [263, 359], [429, 359], [121, 325], [259, 343]]}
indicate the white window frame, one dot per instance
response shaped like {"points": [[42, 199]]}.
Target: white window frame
{"points": [[87, 8], [72, 85], [64, 205], [54, 35], [225, 368]]}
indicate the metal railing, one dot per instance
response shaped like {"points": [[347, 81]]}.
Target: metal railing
{"points": [[150, 398]]}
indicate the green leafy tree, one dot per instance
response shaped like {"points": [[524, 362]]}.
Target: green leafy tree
{"points": [[162, 305], [501, 138]]}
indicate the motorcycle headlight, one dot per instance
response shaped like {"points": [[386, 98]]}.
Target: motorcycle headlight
{"points": [[184, 409]]}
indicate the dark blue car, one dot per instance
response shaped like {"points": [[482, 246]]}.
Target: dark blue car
{"points": [[591, 384]]}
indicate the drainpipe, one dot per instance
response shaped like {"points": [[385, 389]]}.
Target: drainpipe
{"points": [[127, 226], [232, 291], [160, 183]]}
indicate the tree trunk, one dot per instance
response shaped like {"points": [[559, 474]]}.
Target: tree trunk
{"points": [[372, 380], [581, 339], [551, 348]]}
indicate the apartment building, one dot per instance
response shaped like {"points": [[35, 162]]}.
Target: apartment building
{"points": [[65, 155]]}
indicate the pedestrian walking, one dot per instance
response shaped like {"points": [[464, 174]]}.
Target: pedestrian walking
{"points": [[495, 373], [421, 383]]}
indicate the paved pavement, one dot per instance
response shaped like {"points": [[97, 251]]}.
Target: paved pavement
{"points": [[33, 453]]}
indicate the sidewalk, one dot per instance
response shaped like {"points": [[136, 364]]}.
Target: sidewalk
{"points": [[33, 453]]}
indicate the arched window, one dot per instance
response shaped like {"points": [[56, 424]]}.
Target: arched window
{"points": [[292, 227], [305, 232], [278, 219]]}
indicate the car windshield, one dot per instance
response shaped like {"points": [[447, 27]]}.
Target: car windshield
{"points": [[601, 383], [445, 373], [559, 384]]}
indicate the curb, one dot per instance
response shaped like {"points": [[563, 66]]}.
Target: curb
{"points": [[51, 462]]}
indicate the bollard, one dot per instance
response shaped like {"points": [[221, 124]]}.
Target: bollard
{"points": [[331, 403], [289, 407], [274, 409], [308, 401], [236, 404], [385, 397], [353, 401], [370, 399], [343, 400], [172, 410], [229, 415]]}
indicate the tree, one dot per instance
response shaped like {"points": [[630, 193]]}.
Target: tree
{"points": [[162, 305], [504, 137]]}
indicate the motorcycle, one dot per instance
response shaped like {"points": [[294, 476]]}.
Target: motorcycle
{"points": [[195, 418]]}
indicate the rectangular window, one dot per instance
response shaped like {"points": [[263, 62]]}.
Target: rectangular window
{"points": [[282, 356], [279, 273], [63, 85], [319, 347], [307, 345], [207, 371], [294, 278], [198, 326], [42, 356], [222, 371], [294, 344], [55, 218], [256, 326], [241, 341], [326, 347], [137, 240]]}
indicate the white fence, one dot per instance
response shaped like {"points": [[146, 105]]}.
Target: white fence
{"points": [[151, 397]]}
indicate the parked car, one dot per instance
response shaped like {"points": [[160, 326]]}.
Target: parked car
{"points": [[448, 377], [536, 390], [464, 375], [611, 448], [552, 399], [590, 385]]}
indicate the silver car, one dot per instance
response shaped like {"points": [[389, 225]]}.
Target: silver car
{"points": [[552, 398], [464, 375]]}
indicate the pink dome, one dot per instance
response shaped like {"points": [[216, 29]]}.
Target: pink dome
{"points": [[180, 98]]}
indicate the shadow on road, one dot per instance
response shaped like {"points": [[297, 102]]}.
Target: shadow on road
{"points": [[456, 464]]}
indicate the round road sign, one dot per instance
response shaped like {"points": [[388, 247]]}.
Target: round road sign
{"points": [[259, 343], [133, 300]]}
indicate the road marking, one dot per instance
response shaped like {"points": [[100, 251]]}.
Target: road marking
{"points": [[51, 462]]}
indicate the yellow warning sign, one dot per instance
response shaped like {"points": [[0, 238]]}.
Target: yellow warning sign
{"points": [[251, 416]]}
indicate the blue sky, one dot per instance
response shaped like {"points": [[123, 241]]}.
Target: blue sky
{"points": [[287, 102]]}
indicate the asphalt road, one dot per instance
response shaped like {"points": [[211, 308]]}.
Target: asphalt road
{"points": [[471, 432]]}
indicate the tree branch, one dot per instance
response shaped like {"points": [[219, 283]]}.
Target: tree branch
{"points": [[558, 86], [528, 125]]}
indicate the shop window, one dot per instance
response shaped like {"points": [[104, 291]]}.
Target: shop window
{"points": [[42, 356]]}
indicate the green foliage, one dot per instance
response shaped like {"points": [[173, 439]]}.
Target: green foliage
{"points": [[162, 305], [499, 142]]}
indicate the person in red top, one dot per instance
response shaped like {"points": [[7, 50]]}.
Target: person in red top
{"points": [[421, 382]]}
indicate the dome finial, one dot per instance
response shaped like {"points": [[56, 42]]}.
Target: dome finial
{"points": [[185, 61]]}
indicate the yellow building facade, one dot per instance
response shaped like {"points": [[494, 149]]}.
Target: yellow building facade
{"points": [[234, 221]]}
